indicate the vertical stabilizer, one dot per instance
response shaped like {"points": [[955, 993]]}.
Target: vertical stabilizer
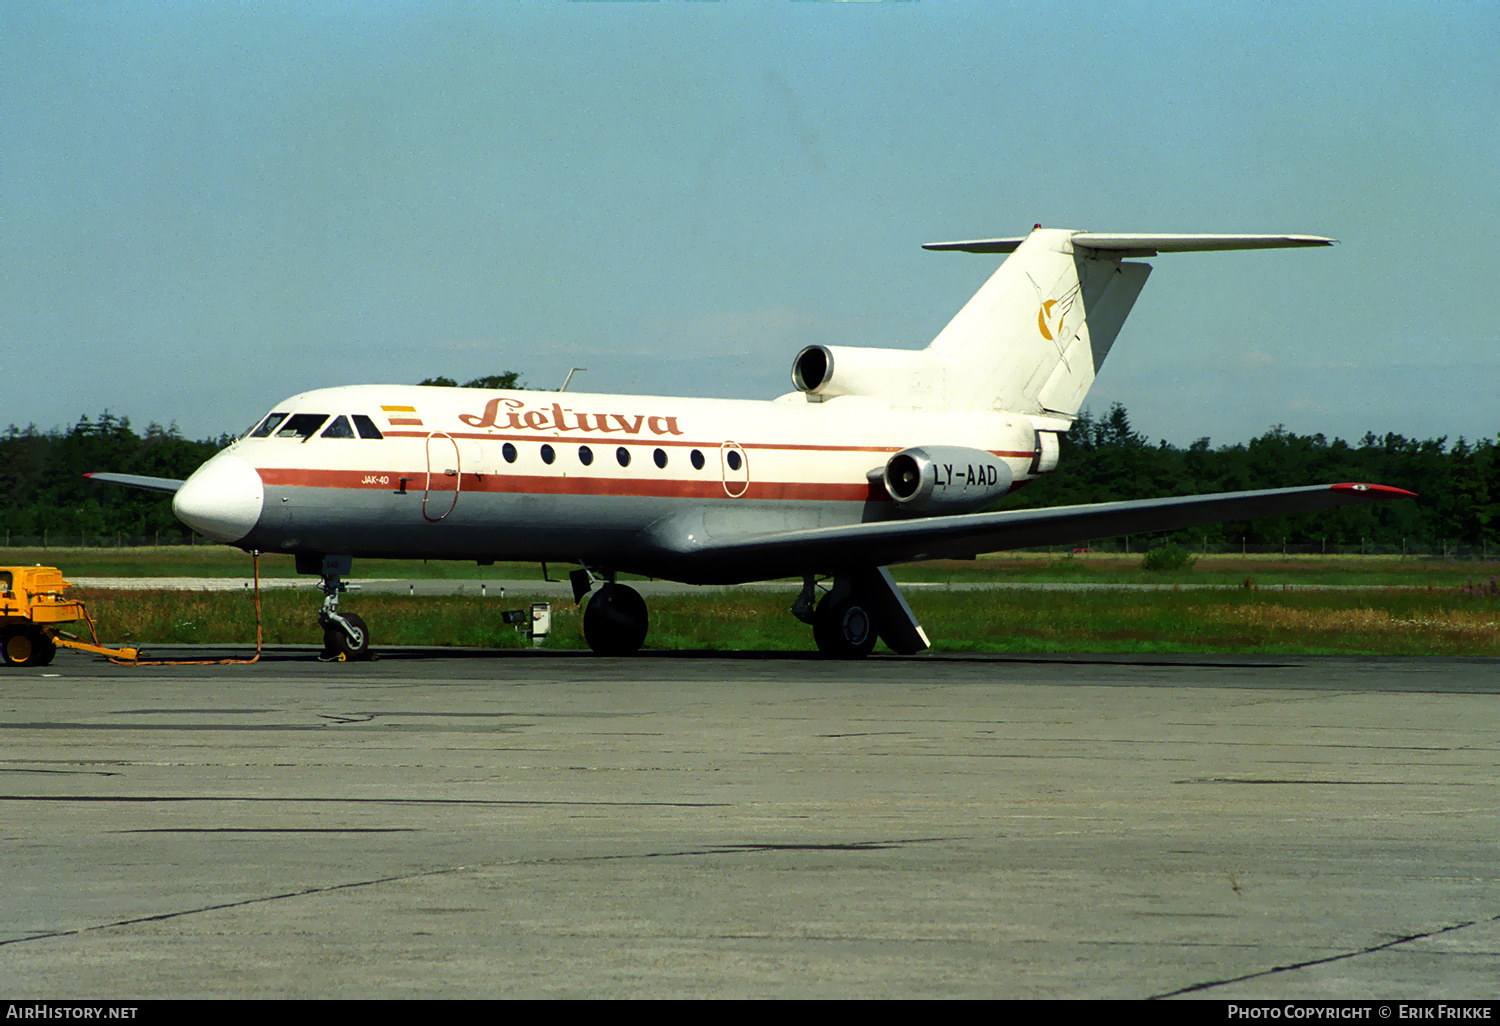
{"points": [[1032, 338]]}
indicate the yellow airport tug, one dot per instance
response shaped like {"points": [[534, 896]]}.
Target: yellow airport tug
{"points": [[31, 606]]}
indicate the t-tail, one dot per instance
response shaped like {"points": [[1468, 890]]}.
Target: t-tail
{"points": [[1032, 338]]}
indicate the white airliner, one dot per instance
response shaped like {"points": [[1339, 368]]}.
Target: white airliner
{"points": [[880, 456]]}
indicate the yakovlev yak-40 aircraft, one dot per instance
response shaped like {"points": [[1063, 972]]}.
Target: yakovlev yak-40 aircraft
{"points": [[880, 456]]}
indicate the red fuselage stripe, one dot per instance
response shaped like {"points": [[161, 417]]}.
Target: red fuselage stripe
{"points": [[530, 484]]}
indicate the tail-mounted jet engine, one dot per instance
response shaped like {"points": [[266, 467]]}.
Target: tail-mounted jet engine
{"points": [[945, 479], [899, 376]]}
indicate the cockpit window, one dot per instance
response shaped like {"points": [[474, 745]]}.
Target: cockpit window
{"points": [[339, 428], [302, 425], [268, 425], [366, 426]]}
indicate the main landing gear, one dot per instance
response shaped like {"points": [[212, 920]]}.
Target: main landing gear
{"points": [[345, 636], [858, 609], [843, 629], [614, 619]]}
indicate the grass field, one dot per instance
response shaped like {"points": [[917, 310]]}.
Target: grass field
{"points": [[1021, 567], [1377, 621], [1393, 606]]}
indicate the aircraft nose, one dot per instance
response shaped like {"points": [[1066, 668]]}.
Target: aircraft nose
{"points": [[222, 499]]}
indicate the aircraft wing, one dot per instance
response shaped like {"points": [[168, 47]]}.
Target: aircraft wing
{"points": [[153, 484], [748, 557]]}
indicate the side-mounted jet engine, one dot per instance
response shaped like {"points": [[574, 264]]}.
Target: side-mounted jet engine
{"points": [[945, 479]]}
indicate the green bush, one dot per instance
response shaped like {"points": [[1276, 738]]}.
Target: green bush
{"points": [[1168, 557]]}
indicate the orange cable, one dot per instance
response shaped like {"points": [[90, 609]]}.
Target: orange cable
{"points": [[259, 635]]}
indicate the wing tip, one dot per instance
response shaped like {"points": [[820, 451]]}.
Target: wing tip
{"points": [[1379, 490]]}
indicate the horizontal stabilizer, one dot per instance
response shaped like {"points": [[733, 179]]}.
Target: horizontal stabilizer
{"points": [[841, 549], [151, 484], [978, 245], [1149, 245], [1130, 245]]}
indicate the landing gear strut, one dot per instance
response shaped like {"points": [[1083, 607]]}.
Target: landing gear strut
{"points": [[345, 636]]}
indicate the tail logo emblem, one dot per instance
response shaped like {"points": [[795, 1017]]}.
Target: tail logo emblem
{"points": [[1043, 315]]}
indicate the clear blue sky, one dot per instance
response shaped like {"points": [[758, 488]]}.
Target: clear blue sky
{"points": [[210, 206]]}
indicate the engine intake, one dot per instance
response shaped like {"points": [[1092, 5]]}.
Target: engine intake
{"points": [[895, 375], [945, 478]]}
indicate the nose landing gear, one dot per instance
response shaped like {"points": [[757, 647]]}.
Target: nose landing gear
{"points": [[345, 636]]}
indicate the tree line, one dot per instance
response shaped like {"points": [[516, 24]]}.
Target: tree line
{"points": [[1458, 485], [45, 492], [1103, 459]]}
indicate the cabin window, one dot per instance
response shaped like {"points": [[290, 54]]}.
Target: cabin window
{"points": [[509, 452], [339, 428], [585, 455], [623, 455], [302, 425], [548, 455], [697, 459], [733, 459], [660, 456], [268, 425], [366, 427]]}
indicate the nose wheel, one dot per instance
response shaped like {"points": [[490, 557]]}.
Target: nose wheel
{"points": [[346, 642]]}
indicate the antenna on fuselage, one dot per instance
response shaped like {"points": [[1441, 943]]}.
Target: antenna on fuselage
{"points": [[571, 372]]}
